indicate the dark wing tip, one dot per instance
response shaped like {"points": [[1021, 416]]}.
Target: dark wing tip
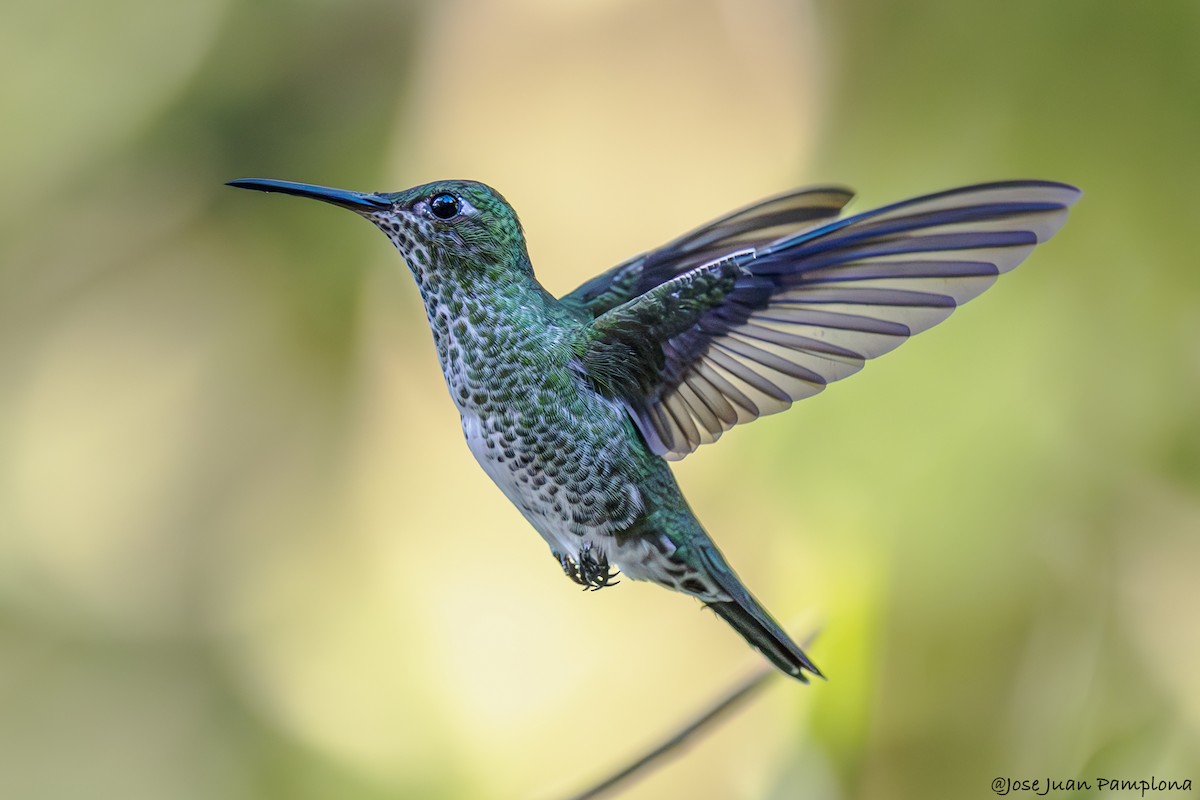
{"points": [[1070, 192]]}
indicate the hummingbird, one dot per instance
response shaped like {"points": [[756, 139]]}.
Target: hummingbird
{"points": [[575, 405]]}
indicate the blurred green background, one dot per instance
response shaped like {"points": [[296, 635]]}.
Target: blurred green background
{"points": [[244, 552]]}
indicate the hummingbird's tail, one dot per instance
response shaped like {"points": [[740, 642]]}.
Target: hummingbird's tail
{"points": [[747, 616], [764, 635]]}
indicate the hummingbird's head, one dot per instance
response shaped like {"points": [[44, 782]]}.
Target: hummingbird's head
{"points": [[464, 227]]}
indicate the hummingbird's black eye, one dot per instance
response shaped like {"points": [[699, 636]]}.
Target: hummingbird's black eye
{"points": [[445, 206]]}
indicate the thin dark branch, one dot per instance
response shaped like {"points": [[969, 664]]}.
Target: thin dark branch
{"points": [[733, 697]]}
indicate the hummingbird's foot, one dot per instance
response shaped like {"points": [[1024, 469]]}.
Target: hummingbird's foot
{"points": [[569, 567], [590, 572]]}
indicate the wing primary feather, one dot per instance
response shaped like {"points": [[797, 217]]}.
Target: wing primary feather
{"points": [[863, 296], [716, 401], [925, 268], [706, 368], [708, 424], [795, 315], [736, 345], [746, 374], [834, 254], [676, 407], [794, 341]]}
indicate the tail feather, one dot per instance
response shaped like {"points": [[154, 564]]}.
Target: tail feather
{"points": [[747, 616], [765, 636]]}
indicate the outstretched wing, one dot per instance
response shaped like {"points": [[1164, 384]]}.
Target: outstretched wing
{"points": [[752, 226], [739, 337]]}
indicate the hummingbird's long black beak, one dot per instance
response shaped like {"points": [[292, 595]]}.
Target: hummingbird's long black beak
{"points": [[355, 201]]}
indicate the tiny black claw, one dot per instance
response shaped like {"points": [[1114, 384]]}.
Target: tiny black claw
{"points": [[589, 571], [571, 569]]}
